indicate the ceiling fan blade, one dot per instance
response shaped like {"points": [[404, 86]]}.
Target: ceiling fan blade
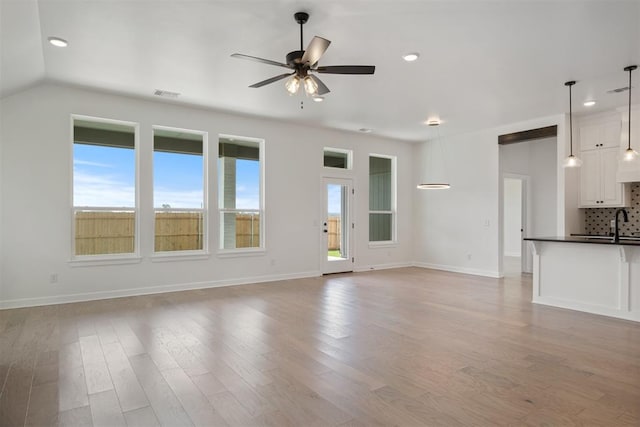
{"points": [[261, 60], [272, 80], [322, 88], [346, 69], [315, 50]]}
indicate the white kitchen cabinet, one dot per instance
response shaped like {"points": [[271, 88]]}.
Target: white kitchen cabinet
{"points": [[600, 134], [600, 153]]}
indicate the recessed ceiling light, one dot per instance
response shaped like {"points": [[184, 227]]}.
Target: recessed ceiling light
{"points": [[58, 42], [365, 130], [318, 98], [410, 57], [433, 122], [589, 103]]}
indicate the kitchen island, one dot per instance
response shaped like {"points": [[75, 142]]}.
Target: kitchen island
{"points": [[594, 275]]}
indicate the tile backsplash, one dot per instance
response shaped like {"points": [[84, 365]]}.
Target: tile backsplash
{"points": [[598, 220]]}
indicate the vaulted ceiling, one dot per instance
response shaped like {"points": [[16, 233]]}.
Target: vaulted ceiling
{"points": [[482, 63]]}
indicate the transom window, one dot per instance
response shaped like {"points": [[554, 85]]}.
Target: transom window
{"points": [[337, 158]]}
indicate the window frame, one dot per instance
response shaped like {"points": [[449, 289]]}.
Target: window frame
{"points": [[346, 151], [394, 203], [195, 253], [260, 250], [106, 259]]}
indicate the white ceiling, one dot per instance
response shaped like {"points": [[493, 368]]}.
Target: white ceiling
{"points": [[482, 64]]}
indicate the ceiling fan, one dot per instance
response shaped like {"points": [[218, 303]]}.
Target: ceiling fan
{"points": [[304, 63]]}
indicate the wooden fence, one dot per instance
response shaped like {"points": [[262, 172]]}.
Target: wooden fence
{"points": [[335, 231], [99, 232]]}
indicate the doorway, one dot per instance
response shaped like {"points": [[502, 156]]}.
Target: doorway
{"points": [[517, 256], [337, 236]]}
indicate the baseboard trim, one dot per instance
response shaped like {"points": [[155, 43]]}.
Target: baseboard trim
{"points": [[455, 269], [600, 310], [364, 268], [121, 293]]}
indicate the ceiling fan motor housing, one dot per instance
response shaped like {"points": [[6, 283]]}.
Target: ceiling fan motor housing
{"points": [[294, 58]]}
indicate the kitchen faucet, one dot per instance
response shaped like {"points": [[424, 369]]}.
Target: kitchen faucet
{"points": [[616, 236]]}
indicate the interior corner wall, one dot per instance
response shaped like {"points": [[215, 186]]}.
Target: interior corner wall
{"points": [[456, 229], [36, 199], [460, 229]]}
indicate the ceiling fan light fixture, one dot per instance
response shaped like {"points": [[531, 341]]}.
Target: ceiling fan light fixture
{"points": [[292, 85], [310, 86]]}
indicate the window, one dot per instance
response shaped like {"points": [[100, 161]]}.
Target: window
{"points": [[104, 187], [179, 190], [240, 193], [337, 158], [382, 199]]}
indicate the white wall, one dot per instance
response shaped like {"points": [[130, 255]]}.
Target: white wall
{"points": [[36, 198], [512, 221], [536, 159], [460, 229]]}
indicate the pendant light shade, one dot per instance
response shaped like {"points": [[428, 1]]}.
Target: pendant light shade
{"points": [[571, 161], [434, 182], [630, 154]]}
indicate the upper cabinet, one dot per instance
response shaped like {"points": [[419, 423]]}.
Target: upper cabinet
{"points": [[601, 134], [599, 138]]}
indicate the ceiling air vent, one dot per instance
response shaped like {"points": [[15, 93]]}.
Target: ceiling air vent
{"points": [[619, 90], [166, 93]]}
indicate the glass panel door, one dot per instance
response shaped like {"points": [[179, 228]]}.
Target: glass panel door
{"points": [[336, 226]]}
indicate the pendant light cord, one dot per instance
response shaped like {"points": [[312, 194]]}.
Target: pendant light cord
{"points": [[570, 83], [570, 124], [629, 134]]}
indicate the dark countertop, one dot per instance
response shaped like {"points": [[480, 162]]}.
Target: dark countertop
{"points": [[577, 239]]}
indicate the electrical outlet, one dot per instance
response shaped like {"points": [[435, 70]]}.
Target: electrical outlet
{"points": [[53, 278]]}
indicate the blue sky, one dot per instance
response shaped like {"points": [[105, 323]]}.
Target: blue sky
{"points": [[334, 196], [105, 176]]}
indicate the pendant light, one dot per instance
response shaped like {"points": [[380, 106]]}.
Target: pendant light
{"points": [[571, 161], [435, 183], [630, 154]]}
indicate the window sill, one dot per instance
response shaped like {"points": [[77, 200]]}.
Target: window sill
{"points": [[91, 261], [233, 253], [389, 244], [179, 256]]}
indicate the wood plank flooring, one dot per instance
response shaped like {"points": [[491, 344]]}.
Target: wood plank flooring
{"points": [[396, 347]]}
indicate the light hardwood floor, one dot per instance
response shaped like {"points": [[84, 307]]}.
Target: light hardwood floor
{"points": [[396, 347]]}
